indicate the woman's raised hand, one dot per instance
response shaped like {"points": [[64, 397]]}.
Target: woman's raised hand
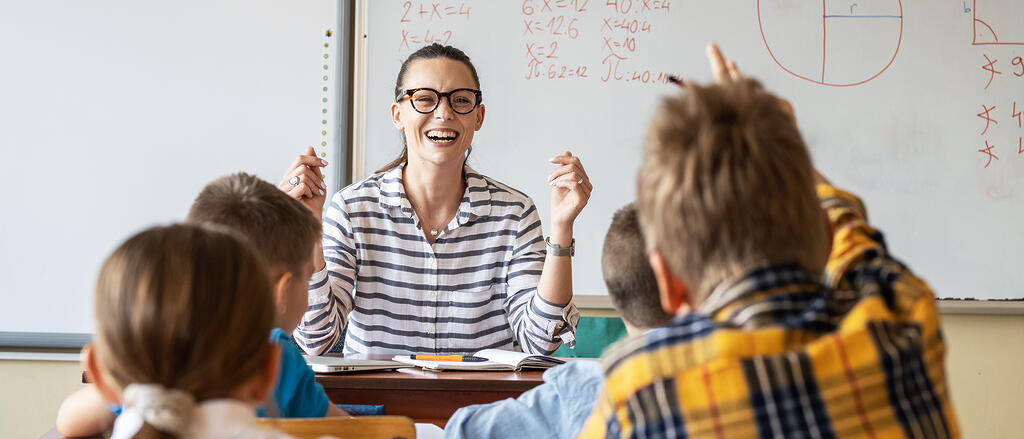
{"points": [[570, 189], [303, 182]]}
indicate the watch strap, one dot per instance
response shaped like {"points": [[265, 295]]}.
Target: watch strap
{"points": [[557, 250]]}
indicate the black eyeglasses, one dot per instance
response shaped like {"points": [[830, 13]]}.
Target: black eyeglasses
{"points": [[461, 100]]}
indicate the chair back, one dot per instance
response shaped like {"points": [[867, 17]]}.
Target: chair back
{"points": [[360, 427]]}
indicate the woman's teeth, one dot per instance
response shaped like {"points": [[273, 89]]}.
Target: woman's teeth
{"points": [[442, 136]]}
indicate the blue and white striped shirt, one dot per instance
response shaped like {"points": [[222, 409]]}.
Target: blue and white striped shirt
{"points": [[390, 291]]}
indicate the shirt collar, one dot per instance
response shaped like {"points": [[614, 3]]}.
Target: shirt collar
{"points": [[209, 419], [392, 191], [476, 200], [755, 286]]}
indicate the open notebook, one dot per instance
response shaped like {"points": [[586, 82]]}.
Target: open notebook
{"points": [[497, 359]]}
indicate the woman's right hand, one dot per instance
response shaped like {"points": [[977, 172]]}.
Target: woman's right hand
{"points": [[303, 182]]}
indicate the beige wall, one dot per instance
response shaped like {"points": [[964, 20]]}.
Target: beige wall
{"points": [[986, 373], [986, 367], [31, 392]]}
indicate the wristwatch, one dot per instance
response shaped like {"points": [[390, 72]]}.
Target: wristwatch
{"points": [[556, 250]]}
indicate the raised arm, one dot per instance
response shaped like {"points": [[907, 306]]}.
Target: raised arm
{"points": [[332, 285], [535, 319]]}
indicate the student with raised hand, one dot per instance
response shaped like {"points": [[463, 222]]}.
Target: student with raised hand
{"points": [[779, 343], [429, 256], [170, 342], [283, 233], [557, 408]]}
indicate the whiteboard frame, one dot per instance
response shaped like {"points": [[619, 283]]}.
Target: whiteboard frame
{"points": [[359, 95]]}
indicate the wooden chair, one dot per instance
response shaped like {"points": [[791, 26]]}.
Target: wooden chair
{"points": [[360, 427]]}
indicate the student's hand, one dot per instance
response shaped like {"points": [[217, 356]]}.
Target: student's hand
{"points": [[308, 187], [724, 71], [570, 190]]}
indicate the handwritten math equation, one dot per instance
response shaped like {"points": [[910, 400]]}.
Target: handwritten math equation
{"points": [[428, 22], [557, 33], [999, 141], [561, 40]]}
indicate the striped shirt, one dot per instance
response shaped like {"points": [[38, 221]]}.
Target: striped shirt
{"points": [[389, 291], [779, 355]]}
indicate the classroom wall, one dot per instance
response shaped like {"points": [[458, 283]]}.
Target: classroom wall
{"points": [[31, 392], [986, 367]]}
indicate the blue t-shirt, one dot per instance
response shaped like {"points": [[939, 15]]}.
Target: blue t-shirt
{"points": [[556, 409], [296, 393]]}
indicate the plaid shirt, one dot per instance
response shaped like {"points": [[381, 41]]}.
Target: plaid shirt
{"points": [[778, 354]]}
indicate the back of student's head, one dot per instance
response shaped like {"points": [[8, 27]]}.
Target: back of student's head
{"points": [[727, 185], [186, 308], [627, 272], [279, 227]]}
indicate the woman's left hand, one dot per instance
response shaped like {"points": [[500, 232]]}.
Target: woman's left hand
{"points": [[570, 189]]}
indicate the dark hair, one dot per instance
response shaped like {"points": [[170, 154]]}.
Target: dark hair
{"points": [[280, 228], [627, 272], [432, 51]]}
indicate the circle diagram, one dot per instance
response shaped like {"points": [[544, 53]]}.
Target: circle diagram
{"points": [[834, 43]]}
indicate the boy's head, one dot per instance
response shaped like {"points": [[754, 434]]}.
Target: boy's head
{"points": [[627, 273], [726, 185], [280, 228]]}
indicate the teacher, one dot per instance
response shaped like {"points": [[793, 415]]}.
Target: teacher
{"points": [[429, 256]]}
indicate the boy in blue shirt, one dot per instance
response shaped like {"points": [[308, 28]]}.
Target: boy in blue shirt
{"points": [[284, 232], [558, 408]]}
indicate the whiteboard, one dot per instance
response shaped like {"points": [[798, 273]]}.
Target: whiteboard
{"points": [[115, 113], [886, 92]]}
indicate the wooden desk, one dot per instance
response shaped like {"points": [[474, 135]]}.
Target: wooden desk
{"points": [[426, 396], [423, 396]]}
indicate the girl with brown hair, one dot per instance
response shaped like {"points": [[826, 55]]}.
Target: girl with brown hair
{"points": [[172, 343]]}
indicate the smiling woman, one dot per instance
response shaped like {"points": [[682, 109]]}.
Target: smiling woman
{"points": [[429, 256]]}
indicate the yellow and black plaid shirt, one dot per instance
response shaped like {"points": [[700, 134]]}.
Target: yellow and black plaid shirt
{"points": [[779, 355]]}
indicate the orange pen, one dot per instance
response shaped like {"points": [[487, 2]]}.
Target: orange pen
{"points": [[447, 358]]}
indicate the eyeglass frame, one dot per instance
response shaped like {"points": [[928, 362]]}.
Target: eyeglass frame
{"points": [[411, 91]]}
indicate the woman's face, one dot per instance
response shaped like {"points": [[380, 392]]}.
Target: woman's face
{"points": [[442, 136]]}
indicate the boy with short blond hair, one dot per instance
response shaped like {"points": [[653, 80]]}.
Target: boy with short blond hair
{"points": [[734, 224]]}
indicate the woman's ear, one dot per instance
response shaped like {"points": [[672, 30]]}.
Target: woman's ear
{"points": [[90, 363], [480, 117], [673, 292], [396, 115]]}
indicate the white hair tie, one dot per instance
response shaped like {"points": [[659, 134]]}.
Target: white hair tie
{"points": [[167, 410]]}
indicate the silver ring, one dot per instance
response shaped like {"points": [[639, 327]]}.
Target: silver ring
{"points": [[294, 181]]}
